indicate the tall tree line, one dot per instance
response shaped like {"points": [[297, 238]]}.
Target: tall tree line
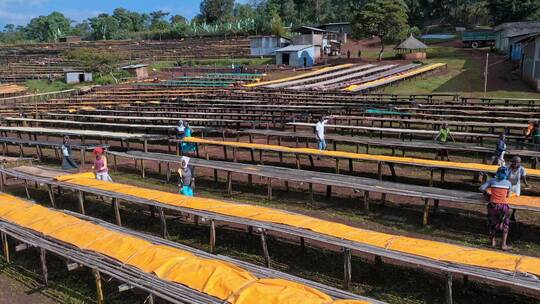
{"points": [[219, 17]]}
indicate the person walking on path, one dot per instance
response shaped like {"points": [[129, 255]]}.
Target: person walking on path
{"points": [[442, 137], [100, 167], [319, 132], [68, 163], [497, 190], [186, 177], [500, 150]]}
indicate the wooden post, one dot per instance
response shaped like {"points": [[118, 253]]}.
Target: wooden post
{"points": [[311, 194], [347, 268], [431, 177], [442, 176], [117, 211], [42, 257], [337, 165], [426, 212], [80, 196], [5, 246], [145, 147], [383, 198], [366, 200], [51, 196], [436, 206], [449, 299], [212, 236], [99, 290], [351, 168], [229, 182], [163, 220], [2, 183], [26, 190], [269, 188], [379, 170], [265, 248]]}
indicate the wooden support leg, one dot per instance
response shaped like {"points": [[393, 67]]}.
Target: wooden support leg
{"points": [[229, 183], [311, 194], [337, 165], [5, 246], [449, 298], [297, 161], [26, 190], [269, 188], [347, 268], [80, 196], [303, 244], [212, 236], [99, 290], [431, 177], [351, 169], [164, 231], [45, 272], [265, 248], [383, 198], [379, 171], [366, 200], [2, 183], [250, 180], [328, 191], [392, 170], [116, 208], [51, 196], [435, 206], [311, 162], [426, 212], [442, 175]]}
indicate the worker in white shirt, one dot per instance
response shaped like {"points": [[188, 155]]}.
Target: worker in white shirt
{"points": [[319, 131]]}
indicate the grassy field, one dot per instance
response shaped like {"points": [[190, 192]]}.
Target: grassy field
{"points": [[464, 76]]}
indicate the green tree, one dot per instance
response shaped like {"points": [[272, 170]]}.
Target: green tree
{"points": [[386, 19], [513, 10], [217, 10], [157, 20], [105, 27], [49, 28], [9, 28], [178, 19], [82, 29]]}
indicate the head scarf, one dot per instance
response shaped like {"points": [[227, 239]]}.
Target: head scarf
{"points": [[98, 150], [186, 160], [503, 173]]}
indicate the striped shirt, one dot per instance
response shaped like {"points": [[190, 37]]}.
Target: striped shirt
{"points": [[498, 189]]}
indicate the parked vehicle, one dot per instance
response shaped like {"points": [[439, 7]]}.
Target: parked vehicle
{"points": [[476, 39]]}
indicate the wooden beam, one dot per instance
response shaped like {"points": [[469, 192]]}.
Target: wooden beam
{"points": [[80, 196], [99, 290], [269, 181], [42, 257], [426, 212], [347, 268], [26, 189], [366, 200], [213, 236], [449, 298], [5, 245], [229, 182], [264, 245], [116, 208], [51, 196], [164, 232]]}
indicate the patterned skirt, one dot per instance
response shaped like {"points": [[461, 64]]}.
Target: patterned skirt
{"points": [[498, 218]]}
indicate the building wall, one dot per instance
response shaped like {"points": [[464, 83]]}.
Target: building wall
{"points": [[297, 58], [72, 78], [342, 29], [266, 46], [530, 65]]}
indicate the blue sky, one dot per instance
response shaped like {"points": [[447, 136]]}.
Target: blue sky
{"points": [[19, 12]]}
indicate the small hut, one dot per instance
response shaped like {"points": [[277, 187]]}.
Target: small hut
{"points": [[412, 48]]}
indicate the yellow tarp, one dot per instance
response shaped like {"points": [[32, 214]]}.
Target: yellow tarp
{"points": [[213, 277], [395, 77], [357, 156], [424, 248], [309, 74]]}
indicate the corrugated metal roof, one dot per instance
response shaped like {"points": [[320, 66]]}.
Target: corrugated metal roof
{"points": [[520, 25], [134, 66], [411, 43], [295, 48]]}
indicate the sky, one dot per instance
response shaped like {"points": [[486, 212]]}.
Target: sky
{"points": [[19, 12]]}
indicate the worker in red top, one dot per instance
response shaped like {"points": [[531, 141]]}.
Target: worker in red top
{"points": [[498, 190]]}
